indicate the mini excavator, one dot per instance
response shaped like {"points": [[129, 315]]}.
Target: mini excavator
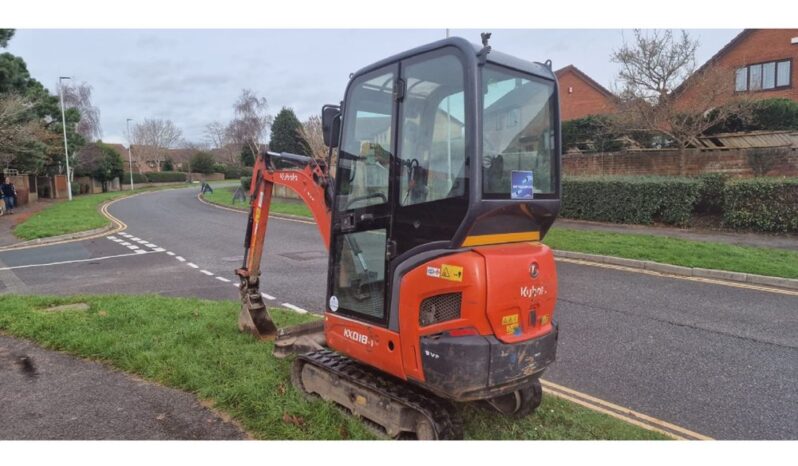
{"points": [[446, 178]]}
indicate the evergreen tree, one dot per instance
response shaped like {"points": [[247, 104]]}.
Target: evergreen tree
{"points": [[247, 157], [286, 134]]}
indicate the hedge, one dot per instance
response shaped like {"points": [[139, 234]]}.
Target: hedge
{"points": [[165, 177], [137, 178], [777, 114], [232, 172], [710, 193], [245, 182], [762, 204], [621, 199]]}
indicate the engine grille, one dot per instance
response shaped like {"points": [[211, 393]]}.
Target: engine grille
{"points": [[440, 308]]}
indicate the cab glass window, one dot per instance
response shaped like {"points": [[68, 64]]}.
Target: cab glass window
{"points": [[518, 135], [364, 158], [432, 149]]}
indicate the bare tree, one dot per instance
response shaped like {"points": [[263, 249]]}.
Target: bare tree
{"points": [[654, 68], [251, 121], [311, 132], [16, 131], [79, 97], [153, 138], [218, 136]]}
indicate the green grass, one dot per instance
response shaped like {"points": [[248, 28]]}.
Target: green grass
{"points": [[224, 196], [194, 345], [746, 259], [79, 214]]}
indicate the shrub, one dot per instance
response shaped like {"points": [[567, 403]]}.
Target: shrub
{"points": [[245, 182], [232, 172], [766, 115], [640, 200], [592, 134], [762, 204], [137, 178], [166, 177], [710, 192], [202, 162]]}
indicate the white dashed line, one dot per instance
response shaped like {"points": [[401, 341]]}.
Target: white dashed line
{"points": [[180, 258], [125, 243], [268, 296], [150, 245], [141, 251], [134, 238], [235, 285], [142, 241], [125, 235], [296, 309], [159, 249], [193, 265], [222, 279], [210, 274], [170, 253], [132, 247]]}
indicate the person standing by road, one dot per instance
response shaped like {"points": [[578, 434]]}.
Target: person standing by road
{"points": [[9, 195]]}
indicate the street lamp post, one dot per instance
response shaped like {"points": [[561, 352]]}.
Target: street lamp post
{"points": [[63, 122], [129, 157]]}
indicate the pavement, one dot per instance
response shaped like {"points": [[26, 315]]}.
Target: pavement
{"points": [[21, 213], [58, 397], [720, 359]]}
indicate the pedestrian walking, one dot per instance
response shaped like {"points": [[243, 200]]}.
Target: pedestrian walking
{"points": [[9, 195]]}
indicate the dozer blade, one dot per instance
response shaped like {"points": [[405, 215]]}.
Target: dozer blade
{"points": [[255, 318], [299, 339]]}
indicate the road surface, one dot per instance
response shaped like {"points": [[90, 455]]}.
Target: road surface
{"points": [[721, 360]]}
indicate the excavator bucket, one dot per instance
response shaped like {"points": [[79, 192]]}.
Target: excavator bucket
{"points": [[254, 317]]}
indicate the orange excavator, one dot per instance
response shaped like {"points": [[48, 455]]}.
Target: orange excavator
{"points": [[438, 289]]}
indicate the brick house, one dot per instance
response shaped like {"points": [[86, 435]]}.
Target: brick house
{"points": [[760, 63], [581, 96]]}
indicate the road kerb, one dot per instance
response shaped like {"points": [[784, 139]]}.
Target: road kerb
{"points": [[677, 270]]}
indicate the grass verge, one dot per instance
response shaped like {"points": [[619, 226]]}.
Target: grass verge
{"points": [[79, 214], [224, 196], [747, 259], [194, 345]]}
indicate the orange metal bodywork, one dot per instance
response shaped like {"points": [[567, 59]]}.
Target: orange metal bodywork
{"points": [[304, 182], [499, 297]]}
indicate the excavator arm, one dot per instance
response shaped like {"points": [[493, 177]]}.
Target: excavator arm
{"points": [[307, 177]]}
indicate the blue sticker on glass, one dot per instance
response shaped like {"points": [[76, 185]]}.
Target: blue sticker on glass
{"points": [[521, 185]]}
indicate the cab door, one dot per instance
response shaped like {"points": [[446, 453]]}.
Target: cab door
{"points": [[362, 208]]}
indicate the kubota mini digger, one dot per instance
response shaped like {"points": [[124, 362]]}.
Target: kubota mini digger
{"points": [[438, 289]]}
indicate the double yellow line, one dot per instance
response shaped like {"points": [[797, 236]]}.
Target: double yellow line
{"points": [[622, 413]]}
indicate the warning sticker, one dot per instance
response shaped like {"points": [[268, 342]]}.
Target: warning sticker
{"points": [[433, 272], [452, 272]]}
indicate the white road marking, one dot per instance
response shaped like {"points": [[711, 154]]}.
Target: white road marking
{"points": [[150, 245], [222, 279], [180, 258], [134, 238], [170, 253], [76, 261], [142, 241], [132, 247], [125, 243], [125, 235], [193, 265], [296, 309], [159, 249], [210, 274], [141, 251], [235, 285], [268, 296]]}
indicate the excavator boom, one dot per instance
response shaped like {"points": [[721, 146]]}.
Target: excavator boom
{"points": [[308, 178]]}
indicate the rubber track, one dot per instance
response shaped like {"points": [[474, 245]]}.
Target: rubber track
{"points": [[443, 414]]}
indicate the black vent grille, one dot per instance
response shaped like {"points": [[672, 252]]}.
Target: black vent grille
{"points": [[440, 308]]}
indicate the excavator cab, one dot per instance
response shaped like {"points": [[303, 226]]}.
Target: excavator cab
{"points": [[447, 178]]}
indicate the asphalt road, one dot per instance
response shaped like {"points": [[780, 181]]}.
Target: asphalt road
{"points": [[719, 360]]}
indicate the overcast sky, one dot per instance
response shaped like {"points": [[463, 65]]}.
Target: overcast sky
{"points": [[193, 76]]}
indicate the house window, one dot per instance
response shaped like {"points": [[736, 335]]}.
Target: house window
{"points": [[763, 76]]}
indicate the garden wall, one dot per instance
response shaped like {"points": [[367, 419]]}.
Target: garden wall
{"points": [[674, 162]]}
